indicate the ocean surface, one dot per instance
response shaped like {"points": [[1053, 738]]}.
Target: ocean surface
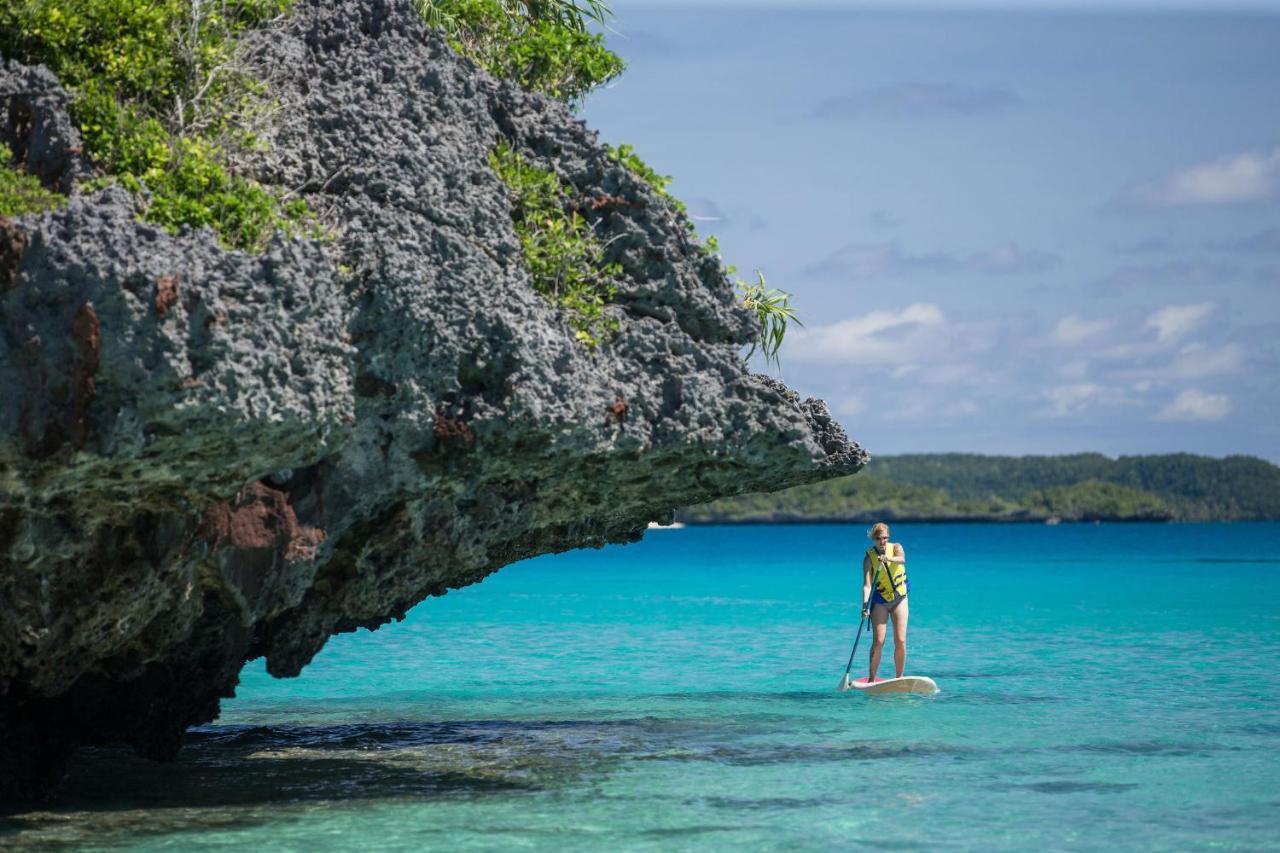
{"points": [[1103, 686]]}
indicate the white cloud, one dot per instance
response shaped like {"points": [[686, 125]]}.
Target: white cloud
{"points": [[1197, 361], [863, 340], [1193, 405], [1174, 321], [1072, 330], [1250, 176], [1072, 399]]}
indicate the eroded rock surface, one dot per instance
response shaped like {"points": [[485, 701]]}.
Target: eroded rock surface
{"points": [[207, 456]]}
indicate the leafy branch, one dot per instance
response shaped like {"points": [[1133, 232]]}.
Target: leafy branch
{"points": [[774, 311]]}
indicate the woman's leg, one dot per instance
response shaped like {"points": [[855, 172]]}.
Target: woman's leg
{"points": [[879, 618], [899, 637]]}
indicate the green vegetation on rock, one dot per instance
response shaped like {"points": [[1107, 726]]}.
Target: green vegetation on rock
{"points": [[626, 156], [21, 193], [160, 102], [544, 45], [1081, 487], [562, 254]]}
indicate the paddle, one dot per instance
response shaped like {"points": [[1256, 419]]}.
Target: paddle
{"points": [[844, 679]]}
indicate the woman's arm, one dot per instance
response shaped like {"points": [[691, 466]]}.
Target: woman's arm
{"points": [[900, 557]]}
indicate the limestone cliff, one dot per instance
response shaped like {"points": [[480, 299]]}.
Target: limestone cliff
{"points": [[208, 456]]}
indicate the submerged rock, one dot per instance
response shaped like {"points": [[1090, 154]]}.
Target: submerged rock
{"points": [[208, 456]]}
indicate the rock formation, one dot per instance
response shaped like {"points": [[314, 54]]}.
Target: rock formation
{"points": [[208, 456]]}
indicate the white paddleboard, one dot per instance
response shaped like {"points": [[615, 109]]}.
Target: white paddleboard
{"points": [[919, 684]]}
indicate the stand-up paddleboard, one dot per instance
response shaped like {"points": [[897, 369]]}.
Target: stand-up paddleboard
{"points": [[919, 684]]}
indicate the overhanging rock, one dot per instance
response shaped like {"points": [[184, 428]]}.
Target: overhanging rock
{"points": [[207, 456]]}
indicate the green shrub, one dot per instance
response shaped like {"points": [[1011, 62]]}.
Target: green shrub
{"points": [[155, 92], [561, 252], [21, 193], [544, 45]]}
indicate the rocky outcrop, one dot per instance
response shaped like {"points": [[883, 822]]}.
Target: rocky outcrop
{"points": [[208, 456]]}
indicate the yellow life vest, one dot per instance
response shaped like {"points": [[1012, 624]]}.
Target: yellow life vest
{"points": [[889, 579]]}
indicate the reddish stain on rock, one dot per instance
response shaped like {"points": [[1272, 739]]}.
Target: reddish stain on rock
{"points": [[260, 518], [166, 292], [13, 243], [619, 409], [602, 201], [450, 428]]}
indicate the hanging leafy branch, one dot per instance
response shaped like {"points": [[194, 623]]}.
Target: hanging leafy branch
{"points": [[774, 311]]}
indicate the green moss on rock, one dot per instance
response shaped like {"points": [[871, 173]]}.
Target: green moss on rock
{"points": [[21, 193]]}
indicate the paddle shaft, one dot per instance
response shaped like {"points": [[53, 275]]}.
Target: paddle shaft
{"points": [[856, 638]]}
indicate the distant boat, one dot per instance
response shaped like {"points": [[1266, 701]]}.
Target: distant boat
{"points": [[675, 525], [1053, 519]]}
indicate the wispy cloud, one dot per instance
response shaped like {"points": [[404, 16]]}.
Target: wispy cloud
{"points": [[712, 218], [1247, 177], [1173, 322], [1266, 240], [877, 260], [705, 210], [1200, 361], [885, 219], [1072, 330], [1148, 246], [1011, 259], [865, 339], [1077, 397], [1194, 405], [1169, 274], [915, 100]]}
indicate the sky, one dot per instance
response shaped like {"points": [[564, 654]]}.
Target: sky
{"points": [[1007, 228]]}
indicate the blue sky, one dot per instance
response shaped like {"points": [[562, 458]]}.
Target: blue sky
{"points": [[1007, 229]]}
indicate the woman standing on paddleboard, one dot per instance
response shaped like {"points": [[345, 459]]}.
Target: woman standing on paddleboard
{"points": [[884, 596]]}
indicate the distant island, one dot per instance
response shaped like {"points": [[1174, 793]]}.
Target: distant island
{"points": [[1046, 489]]}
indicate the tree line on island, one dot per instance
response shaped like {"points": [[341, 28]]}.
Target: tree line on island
{"points": [[971, 487]]}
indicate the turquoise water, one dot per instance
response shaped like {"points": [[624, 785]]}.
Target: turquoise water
{"points": [[1102, 686]]}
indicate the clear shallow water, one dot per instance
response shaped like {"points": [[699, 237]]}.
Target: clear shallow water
{"points": [[1103, 685]]}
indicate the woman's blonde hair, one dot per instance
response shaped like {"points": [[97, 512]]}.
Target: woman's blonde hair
{"points": [[876, 528]]}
